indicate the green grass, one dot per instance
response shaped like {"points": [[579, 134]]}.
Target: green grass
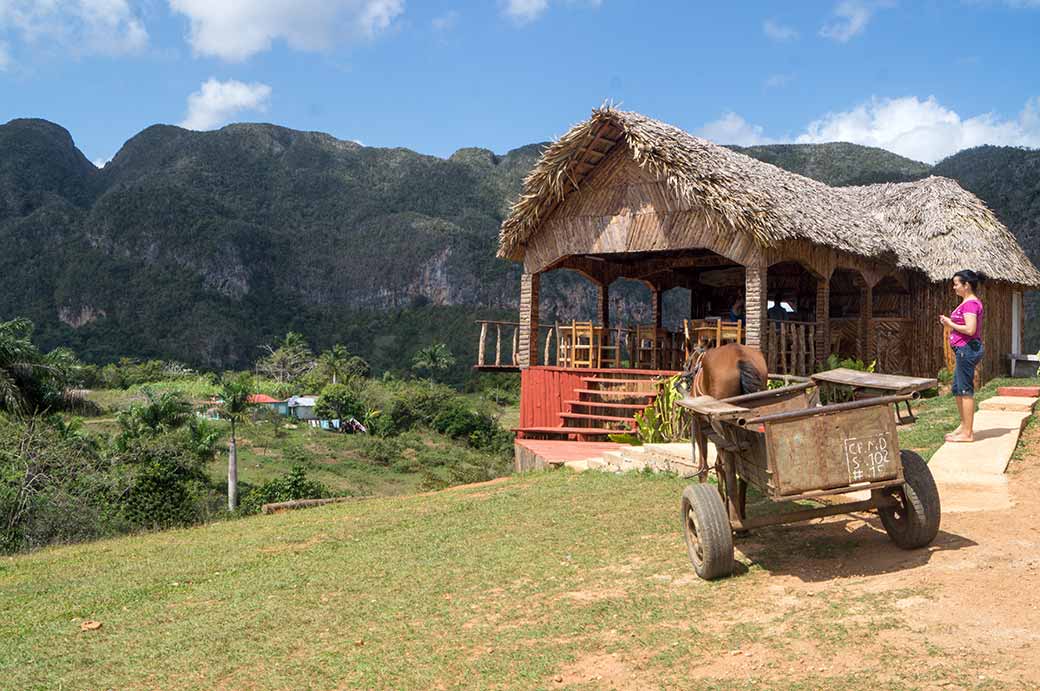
{"points": [[938, 416], [337, 460], [267, 451], [503, 586]]}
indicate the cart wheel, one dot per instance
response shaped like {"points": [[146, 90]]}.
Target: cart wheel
{"points": [[915, 521], [709, 538]]}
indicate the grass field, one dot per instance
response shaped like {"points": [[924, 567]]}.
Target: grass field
{"points": [[549, 580], [499, 586], [343, 462]]}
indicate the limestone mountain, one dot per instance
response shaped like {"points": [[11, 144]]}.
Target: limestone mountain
{"points": [[200, 246]]}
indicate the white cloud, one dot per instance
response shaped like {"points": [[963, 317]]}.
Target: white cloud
{"points": [[5, 57], [778, 32], [733, 129], [107, 27], [775, 81], [852, 18], [216, 102], [101, 162], [446, 21], [924, 130], [237, 30], [526, 11]]}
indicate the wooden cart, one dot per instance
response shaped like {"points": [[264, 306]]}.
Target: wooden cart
{"points": [[788, 448]]}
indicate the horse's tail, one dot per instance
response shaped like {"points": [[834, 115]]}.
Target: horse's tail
{"points": [[750, 378]]}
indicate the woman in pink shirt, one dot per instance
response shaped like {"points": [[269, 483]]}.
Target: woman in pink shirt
{"points": [[966, 340]]}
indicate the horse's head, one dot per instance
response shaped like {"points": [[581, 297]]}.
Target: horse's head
{"points": [[692, 367]]}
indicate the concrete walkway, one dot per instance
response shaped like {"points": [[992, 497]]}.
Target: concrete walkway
{"points": [[971, 476]]}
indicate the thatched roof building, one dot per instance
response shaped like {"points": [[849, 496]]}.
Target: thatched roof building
{"points": [[622, 195], [932, 225]]}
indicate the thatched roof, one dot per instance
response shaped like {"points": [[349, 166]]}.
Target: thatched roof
{"points": [[949, 229], [932, 225]]}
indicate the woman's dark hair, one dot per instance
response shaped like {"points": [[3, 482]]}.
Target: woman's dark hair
{"points": [[970, 277]]}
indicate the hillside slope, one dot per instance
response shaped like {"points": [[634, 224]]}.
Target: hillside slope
{"points": [[551, 580]]}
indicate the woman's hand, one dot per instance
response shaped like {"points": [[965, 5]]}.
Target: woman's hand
{"points": [[945, 321]]}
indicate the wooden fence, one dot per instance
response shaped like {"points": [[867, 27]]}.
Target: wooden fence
{"points": [[790, 347], [512, 330]]}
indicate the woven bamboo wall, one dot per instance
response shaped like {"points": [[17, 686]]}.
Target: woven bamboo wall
{"points": [[932, 299]]}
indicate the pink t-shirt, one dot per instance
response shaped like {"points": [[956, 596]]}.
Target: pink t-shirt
{"points": [[972, 306]]}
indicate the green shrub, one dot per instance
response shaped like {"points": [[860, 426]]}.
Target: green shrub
{"points": [[168, 485], [292, 485], [340, 402], [55, 487]]}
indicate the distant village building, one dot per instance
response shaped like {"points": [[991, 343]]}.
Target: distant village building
{"points": [[264, 401], [302, 407]]}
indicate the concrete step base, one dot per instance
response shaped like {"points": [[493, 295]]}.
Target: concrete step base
{"points": [[1011, 404]]}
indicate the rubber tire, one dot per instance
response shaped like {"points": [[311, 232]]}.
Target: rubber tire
{"points": [[918, 524], [710, 547]]}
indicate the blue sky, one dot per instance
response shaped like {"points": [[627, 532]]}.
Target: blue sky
{"points": [[921, 78]]}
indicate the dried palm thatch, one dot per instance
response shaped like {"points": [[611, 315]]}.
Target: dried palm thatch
{"points": [[926, 225], [948, 229]]}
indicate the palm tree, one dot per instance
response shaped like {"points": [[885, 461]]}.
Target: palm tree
{"points": [[433, 358], [334, 361], [25, 374], [234, 396]]}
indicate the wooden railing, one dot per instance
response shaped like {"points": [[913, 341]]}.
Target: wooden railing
{"points": [[504, 338], [512, 334], [790, 347]]}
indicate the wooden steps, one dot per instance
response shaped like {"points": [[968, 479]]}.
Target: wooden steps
{"points": [[569, 431], [605, 404], [618, 392], [607, 380], [590, 416]]}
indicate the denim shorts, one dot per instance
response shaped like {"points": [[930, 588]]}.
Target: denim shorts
{"points": [[966, 357]]}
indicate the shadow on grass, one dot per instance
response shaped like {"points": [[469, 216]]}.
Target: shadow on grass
{"points": [[850, 546]]}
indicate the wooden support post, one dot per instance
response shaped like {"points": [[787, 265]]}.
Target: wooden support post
{"points": [[498, 345], [823, 319], [755, 305], [603, 306], [480, 346], [516, 345], [656, 295], [868, 342], [529, 285]]}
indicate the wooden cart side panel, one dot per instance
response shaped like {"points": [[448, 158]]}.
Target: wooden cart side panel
{"points": [[752, 464], [833, 450], [799, 402]]}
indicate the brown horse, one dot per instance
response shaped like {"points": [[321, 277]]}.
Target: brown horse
{"points": [[726, 371], [723, 372]]}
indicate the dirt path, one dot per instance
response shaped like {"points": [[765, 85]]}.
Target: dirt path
{"points": [[831, 604], [970, 604]]}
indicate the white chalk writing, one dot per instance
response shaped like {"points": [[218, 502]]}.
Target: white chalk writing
{"points": [[867, 458]]}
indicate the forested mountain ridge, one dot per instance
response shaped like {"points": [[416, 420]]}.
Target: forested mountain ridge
{"points": [[200, 246]]}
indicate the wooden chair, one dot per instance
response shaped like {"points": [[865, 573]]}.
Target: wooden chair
{"points": [[563, 344], [691, 336], [609, 351], [729, 331], [583, 345], [648, 347]]}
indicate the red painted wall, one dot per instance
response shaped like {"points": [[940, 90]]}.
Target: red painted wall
{"points": [[543, 390]]}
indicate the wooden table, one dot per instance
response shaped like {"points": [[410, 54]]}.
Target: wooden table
{"points": [[872, 385]]}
